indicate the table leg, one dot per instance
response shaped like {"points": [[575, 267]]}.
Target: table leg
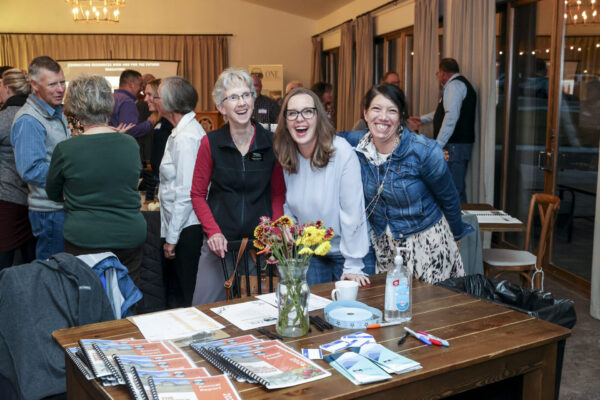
{"points": [[538, 384]]}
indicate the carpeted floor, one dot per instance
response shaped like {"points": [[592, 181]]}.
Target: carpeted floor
{"points": [[581, 366]]}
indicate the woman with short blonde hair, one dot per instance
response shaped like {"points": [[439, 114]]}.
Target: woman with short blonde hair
{"points": [[96, 175], [15, 229], [246, 182]]}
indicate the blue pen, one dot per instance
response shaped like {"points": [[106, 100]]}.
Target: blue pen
{"points": [[422, 338]]}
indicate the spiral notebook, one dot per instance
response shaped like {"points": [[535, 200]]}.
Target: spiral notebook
{"points": [[107, 351], [205, 388], [273, 366], [137, 379], [73, 353]]}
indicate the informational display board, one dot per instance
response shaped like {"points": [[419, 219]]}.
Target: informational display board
{"points": [[272, 79], [111, 69]]}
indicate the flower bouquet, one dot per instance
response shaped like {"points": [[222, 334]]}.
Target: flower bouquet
{"points": [[291, 246]]}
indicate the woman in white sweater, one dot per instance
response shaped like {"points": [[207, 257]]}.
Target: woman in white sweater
{"points": [[179, 225], [322, 177]]}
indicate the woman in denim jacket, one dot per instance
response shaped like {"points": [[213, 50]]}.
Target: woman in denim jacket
{"points": [[410, 198]]}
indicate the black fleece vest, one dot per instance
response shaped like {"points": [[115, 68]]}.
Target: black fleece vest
{"points": [[240, 189], [464, 132]]}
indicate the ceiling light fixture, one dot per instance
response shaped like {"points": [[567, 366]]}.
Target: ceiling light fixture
{"points": [[581, 12], [96, 11]]}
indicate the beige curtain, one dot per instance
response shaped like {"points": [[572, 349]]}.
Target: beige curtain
{"points": [[476, 20], [425, 93], [345, 90], [364, 61], [201, 58], [316, 66]]}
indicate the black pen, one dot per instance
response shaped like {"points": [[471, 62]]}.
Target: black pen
{"points": [[315, 323], [269, 334], [403, 339], [326, 324], [322, 322]]}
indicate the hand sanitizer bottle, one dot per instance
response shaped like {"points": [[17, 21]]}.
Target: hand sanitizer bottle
{"points": [[398, 291]]}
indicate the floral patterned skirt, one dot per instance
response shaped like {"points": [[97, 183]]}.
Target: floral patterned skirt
{"points": [[433, 254]]}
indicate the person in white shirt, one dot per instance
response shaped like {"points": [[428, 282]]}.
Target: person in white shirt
{"points": [[179, 225], [323, 182], [453, 121]]}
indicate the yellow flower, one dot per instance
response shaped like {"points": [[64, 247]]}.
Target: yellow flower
{"points": [[312, 236], [284, 220], [305, 251], [258, 231], [258, 244], [323, 248], [298, 241]]}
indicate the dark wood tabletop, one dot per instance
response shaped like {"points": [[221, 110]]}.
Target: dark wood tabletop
{"points": [[488, 343], [492, 227]]}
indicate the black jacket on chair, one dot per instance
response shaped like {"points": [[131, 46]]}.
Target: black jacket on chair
{"points": [[35, 300]]}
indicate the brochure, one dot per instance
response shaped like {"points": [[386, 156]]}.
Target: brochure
{"points": [[356, 368], [385, 358]]}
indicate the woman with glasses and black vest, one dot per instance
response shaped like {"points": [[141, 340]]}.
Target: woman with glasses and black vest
{"points": [[322, 177], [246, 182]]}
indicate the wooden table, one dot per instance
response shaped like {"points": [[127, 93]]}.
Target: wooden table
{"points": [[492, 227], [488, 343]]}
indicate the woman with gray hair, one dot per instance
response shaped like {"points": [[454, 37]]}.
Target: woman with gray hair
{"points": [[96, 173], [246, 181], [179, 225], [15, 229]]}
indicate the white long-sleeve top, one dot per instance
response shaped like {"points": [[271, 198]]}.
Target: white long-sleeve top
{"points": [[333, 195], [455, 92], [176, 173]]}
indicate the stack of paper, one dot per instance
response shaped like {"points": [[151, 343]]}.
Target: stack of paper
{"points": [[492, 217]]}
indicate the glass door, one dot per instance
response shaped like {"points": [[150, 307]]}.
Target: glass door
{"points": [[548, 126], [578, 137], [524, 86]]}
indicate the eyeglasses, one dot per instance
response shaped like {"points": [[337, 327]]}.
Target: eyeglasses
{"points": [[307, 113], [236, 97]]}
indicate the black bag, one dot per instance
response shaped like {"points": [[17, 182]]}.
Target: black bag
{"points": [[533, 302]]}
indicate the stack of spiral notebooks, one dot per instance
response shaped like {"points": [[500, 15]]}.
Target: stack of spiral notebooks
{"points": [[267, 362], [152, 370]]}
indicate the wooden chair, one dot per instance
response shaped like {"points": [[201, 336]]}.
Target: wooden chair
{"points": [[249, 278], [527, 264]]}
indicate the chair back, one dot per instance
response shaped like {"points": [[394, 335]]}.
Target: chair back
{"points": [[251, 275], [547, 206]]}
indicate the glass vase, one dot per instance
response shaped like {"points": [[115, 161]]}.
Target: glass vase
{"points": [[292, 298]]}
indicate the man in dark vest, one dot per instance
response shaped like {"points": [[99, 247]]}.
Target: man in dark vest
{"points": [[453, 121]]}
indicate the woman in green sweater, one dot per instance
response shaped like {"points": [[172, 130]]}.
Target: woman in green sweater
{"points": [[96, 173]]}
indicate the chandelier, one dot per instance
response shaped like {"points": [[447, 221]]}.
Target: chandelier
{"points": [[96, 11], [581, 12]]}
